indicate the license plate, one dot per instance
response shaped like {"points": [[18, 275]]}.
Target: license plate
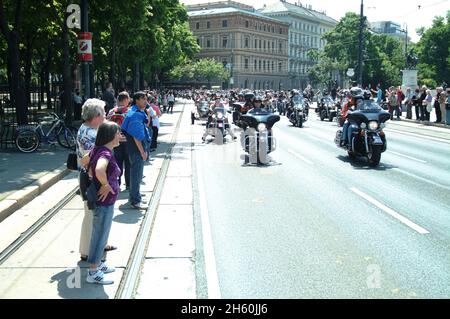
{"points": [[377, 140], [220, 125]]}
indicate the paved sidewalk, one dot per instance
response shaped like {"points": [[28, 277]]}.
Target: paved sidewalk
{"points": [[25, 176], [19, 170]]}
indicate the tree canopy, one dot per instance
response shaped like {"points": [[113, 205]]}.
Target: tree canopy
{"points": [[134, 42], [434, 52], [382, 61]]}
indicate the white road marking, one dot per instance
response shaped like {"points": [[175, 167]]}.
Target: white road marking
{"points": [[421, 178], [212, 278], [427, 137], [300, 157], [390, 212], [410, 157]]}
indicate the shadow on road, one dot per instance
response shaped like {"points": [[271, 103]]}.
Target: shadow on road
{"points": [[361, 163]]}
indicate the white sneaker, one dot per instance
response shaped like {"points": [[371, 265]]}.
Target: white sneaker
{"points": [[98, 278], [105, 268]]}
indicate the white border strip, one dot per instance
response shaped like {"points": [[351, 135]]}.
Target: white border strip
{"points": [[300, 157], [421, 178], [390, 212], [406, 156], [212, 278], [426, 137]]}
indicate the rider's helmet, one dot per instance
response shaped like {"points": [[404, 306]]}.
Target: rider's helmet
{"points": [[356, 93], [367, 95], [258, 99]]}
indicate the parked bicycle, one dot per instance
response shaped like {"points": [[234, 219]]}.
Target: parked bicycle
{"points": [[29, 138]]}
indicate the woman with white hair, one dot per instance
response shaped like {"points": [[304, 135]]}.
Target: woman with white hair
{"points": [[93, 114]]}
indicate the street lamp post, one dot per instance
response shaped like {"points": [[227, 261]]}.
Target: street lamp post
{"points": [[86, 79], [361, 45]]}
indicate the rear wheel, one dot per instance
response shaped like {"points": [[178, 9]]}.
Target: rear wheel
{"points": [[27, 141], [375, 156]]}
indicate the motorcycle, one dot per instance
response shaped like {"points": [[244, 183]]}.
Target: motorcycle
{"points": [[281, 106], [201, 112], [218, 125], [327, 109], [257, 139], [299, 111], [367, 139]]}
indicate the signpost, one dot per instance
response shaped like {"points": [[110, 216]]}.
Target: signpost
{"points": [[350, 72], [85, 46]]}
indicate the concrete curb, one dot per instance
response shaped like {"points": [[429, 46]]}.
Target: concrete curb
{"points": [[22, 197]]}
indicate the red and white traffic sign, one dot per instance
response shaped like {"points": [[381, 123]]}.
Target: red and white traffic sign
{"points": [[85, 46]]}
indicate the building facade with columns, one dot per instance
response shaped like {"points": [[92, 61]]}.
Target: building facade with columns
{"points": [[254, 47], [307, 26]]}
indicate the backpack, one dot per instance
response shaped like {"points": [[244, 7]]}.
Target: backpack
{"points": [[119, 116]]}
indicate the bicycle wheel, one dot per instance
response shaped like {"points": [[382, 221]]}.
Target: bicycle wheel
{"points": [[67, 137], [27, 141]]}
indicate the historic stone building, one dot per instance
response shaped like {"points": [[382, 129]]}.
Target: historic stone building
{"points": [[253, 46], [306, 29]]}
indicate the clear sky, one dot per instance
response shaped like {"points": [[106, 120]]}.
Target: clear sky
{"points": [[403, 12]]}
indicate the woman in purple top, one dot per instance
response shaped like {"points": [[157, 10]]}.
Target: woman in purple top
{"points": [[105, 172]]}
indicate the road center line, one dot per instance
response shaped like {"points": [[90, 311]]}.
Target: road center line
{"points": [[410, 157], [212, 278], [421, 178], [390, 212], [300, 157]]}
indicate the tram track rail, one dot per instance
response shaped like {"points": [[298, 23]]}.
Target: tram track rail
{"points": [[130, 279], [31, 231]]}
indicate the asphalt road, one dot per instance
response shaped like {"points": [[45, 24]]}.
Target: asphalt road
{"points": [[316, 225]]}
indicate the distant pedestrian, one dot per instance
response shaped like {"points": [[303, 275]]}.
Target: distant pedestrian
{"points": [[108, 97], [422, 103], [408, 101], [428, 105], [440, 99], [77, 104], [379, 93], [415, 101], [171, 101], [105, 173]]}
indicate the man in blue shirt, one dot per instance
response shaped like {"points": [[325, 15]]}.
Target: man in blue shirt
{"points": [[379, 94], [135, 129]]}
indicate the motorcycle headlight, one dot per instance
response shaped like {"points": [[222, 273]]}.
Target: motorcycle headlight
{"points": [[373, 125], [220, 115], [262, 127], [363, 125]]}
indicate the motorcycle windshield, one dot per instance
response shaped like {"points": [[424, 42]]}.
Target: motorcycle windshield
{"points": [[297, 99], [369, 106]]}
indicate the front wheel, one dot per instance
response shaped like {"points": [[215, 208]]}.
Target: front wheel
{"points": [[300, 122], [375, 156], [27, 141], [323, 115], [67, 137]]}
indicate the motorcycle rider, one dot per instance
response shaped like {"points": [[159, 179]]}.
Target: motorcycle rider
{"points": [[356, 97], [217, 104]]}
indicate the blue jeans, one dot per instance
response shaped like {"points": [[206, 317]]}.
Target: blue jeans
{"points": [[347, 130], [101, 225], [136, 173]]}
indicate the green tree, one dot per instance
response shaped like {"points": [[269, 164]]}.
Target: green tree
{"points": [[210, 70], [383, 57], [434, 52], [11, 17]]}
